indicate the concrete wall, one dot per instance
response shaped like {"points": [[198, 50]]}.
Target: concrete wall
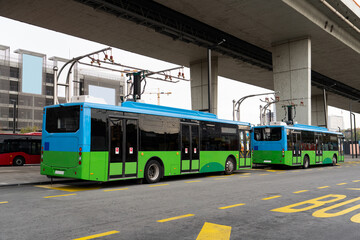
{"points": [[318, 111], [292, 77], [199, 84]]}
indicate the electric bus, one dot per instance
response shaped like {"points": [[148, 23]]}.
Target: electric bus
{"points": [[296, 145], [20, 149], [136, 140]]}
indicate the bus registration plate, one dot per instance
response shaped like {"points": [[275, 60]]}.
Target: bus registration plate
{"points": [[59, 172]]}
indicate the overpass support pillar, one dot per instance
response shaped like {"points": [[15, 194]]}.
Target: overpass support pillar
{"points": [[292, 78], [199, 85], [319, 110]]}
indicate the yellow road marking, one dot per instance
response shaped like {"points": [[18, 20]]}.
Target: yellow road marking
{"points": [[301, 191], [280, 173], [67, 188], [71, 194], [268, 198], [243, 176], [308, 170], [214, 231], [341, 183], [356, 181], [264, 174], [275, 170], [323, 187], [175, 218], [159, 185], [231, 206], [119, 189], [219, 178], [245, 173], [358, 189], [4, 202], [193, 181], [97, 235]]}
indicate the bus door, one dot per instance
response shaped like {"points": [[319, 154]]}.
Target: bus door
{"points": [[341, 149], [318, 148], [296, 152], [190, 156], [245, 150], [123, 147]]}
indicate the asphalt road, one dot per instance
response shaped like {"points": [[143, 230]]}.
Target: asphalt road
{"points": [[318, 203]]}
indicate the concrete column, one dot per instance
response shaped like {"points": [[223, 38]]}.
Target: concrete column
{"points": [[292, 77], [199, 84], [318, 111]]}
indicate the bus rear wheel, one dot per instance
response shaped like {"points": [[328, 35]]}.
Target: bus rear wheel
{"points": [[334, 160], [306, 162], [18, 161], [229, 166], [153, 172]]}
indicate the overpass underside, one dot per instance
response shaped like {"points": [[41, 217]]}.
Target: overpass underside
{"points": [[260, 37]]}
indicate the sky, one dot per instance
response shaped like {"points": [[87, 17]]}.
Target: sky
{"points": [[57, 44]]}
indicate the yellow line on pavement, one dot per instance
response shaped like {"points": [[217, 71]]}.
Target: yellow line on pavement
{"points": [[268, 198], [323, 187], [175, 218], [219, 178], [341, 183], [356, 181], [159, 185], [119, 189], [231, 206], [193, 181], [243, 176], [358, 189], [71, 194], [214, 231], [66, 188], [97, 235], [301, 191], [264, 174], [275, 170], [4, 202]]}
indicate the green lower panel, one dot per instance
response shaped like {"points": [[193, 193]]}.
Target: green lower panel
{"points": [[211, 161], [130, 167], [99, 166], [185, 165], [171, 161], [116, 168], [195, 164]]}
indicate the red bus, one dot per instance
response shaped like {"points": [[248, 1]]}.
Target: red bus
{"points": [[20, 149]]}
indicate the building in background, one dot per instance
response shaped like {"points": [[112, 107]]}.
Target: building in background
{"points": [[336, 122], [27, 80]]}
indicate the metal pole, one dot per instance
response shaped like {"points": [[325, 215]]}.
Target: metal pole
{"points": [[351, 141], [209, 80], [14, 114], [356, 143], [234, 109], [55, 85], [325, 108]]}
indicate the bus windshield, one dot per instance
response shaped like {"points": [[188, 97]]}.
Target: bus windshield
{"points": [[267, 134], [62, 119]]}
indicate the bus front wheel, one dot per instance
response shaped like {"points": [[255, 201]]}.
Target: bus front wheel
{"points": [[229, 166], [152, 172], [306, 162], [18, 161]]}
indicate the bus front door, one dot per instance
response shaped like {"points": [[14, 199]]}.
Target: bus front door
{"points": [[296, 138], [245, 150], [341, 149], [123, 152], [318, 148], [190, 152]]}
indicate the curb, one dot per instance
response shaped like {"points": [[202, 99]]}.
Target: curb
{"points": [[37, 183]]}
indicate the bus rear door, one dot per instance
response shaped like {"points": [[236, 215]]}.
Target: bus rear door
{"points": [[318, 148], [190, 152], [123, 152], [245, 150], [296, 152]]}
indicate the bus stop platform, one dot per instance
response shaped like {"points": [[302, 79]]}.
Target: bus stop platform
{"points": [[25, 175], [30, 174]]}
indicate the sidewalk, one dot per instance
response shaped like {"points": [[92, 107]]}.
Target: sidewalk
{"points": [[30, 174], [24, 175]]}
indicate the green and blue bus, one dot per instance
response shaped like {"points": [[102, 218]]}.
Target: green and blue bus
{"points": [[136, 140], [296, 145]]}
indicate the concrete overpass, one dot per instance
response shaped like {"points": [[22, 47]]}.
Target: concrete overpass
{"points": [[299, 47]]}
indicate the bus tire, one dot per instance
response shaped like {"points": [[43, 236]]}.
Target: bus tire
{"points": [[334, 160], [229, 166], [152, 171], [18, 161], [306, 162]]}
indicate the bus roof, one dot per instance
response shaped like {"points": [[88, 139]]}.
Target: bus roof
{"points": [[303, 127], [145, 108]]}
